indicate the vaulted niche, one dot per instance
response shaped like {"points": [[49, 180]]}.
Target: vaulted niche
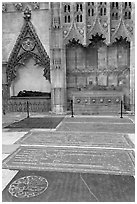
{"points": [[98, 66], [29, 77]]}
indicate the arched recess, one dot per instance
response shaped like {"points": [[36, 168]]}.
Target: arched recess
{"points": [[28, 46], [29, 75]]}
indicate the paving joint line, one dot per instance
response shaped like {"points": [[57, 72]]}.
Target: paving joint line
{"points": [[78, 147], [58, 125], [72, 131], [88, 188], [94, 122]]}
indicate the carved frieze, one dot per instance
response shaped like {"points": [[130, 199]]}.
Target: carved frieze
{"points": [[27, 45], [20, 6]]}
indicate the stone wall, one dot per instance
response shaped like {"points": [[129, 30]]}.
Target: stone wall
{"points": [[12, 22]]}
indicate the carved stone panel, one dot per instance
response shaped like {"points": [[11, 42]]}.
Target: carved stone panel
{"points": [[71, 81], [91, 57], [112, 57], [71, 58], [112, 80], [81, 81], [123, 58], [91, 80], [102, 57], [80, 58], [102, 79]]}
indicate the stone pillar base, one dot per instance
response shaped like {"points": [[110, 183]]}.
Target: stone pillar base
{"points": [[58, 109], [132, 109], [58, 101]]}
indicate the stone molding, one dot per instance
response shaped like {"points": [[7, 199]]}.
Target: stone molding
{"points": [[20, 6]]}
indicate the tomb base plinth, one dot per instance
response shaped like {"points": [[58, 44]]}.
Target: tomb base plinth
{"points": [[97, 102]]}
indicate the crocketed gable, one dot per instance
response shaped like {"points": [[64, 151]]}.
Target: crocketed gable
{"points": [[27, 45]]}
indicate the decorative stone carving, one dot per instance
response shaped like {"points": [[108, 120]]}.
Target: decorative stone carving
{"points": [[35, 5], [27, 14], [4, 7], [123, 24], [30, 46], [101, 100], [56, 15], [18, 6], [75, 25], [81, 31], [78, 100], [117, 100], [65, 32], [97, 21], [36, 104]]}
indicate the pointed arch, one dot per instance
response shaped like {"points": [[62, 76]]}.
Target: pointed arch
{"points": [[27, 45]]}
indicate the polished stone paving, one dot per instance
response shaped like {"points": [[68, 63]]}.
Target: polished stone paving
{"points": [[97, 127], [98, 119], [42, 122], [72, 159], [77, 187], [120, 188], [54, 138]]}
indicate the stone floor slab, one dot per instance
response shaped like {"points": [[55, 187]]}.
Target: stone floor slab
{"points": [[97, 127], [104, 140], [42, 122], [98, 119], [71, 160], [76, 187]]}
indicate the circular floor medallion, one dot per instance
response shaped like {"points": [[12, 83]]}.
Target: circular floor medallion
{"points": [[28, 186]]}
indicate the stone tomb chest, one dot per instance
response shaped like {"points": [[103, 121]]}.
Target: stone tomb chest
{"points": [[97, 102]]}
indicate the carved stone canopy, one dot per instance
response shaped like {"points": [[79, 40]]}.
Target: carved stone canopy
{"points": [[27, 14], [27, 45], [73, 42], [96, 40]]}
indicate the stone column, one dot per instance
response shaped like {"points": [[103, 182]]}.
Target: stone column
{"points": [[132, 76], [57, 63], [58, 92], [132, 62], [5, 89]]}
